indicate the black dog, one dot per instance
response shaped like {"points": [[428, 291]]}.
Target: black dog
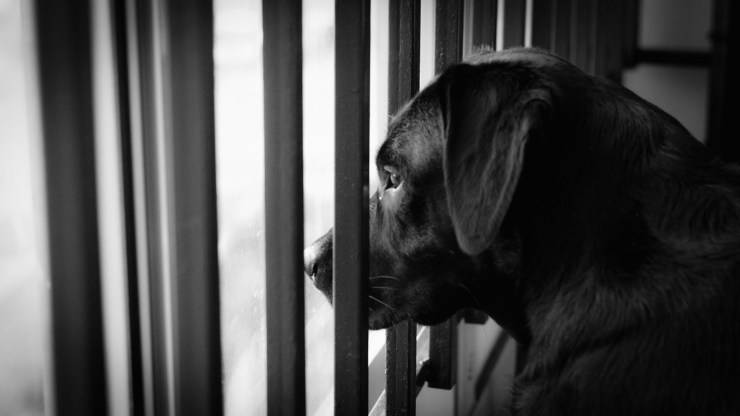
{"points": [[586, 221]]}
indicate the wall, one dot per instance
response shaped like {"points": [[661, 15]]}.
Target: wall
{"points": [[680, 91]]}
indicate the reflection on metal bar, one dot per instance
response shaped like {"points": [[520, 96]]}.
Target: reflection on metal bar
{"points": [[188, 159], [403, 83], [352, 36], [64, 69], [514, 22], [286, 384]]}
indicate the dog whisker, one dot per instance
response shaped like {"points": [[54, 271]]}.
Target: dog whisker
{"points": [[382, 276], [382, 303]]}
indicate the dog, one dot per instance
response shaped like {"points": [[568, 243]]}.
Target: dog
{"points": [[584, 220]]}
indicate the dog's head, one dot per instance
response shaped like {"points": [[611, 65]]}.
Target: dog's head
{"points": [[448, 170]]}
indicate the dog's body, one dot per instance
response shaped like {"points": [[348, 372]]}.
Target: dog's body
{"points": [[610, 247]]}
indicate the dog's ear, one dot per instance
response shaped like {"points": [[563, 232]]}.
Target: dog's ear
{"points": [[487, 122]]}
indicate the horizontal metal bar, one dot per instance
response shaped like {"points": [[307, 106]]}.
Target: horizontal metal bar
{"points": [[673, 57], [352, 36], [66, 92], [282, 60]]}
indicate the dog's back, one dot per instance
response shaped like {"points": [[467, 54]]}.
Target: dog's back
{"points": [[648, 320]]}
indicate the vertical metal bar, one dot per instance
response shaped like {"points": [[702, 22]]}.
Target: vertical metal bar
{"points": [[182, 67], [561, 45], [186, 30], [403, 49], [443, 337], [723, 87], [543, 24], [121, 49], [515, 12], [144, 121], [583, 34], [608, 22], [484, 23], [64, 68], [448, 33], [401, 369], [403, 83], [282, 60], [111, 214], [630, 30], [443, 354], [352, 35]]}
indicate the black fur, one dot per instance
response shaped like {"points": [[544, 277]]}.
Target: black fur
{"points": [[584, 220]]}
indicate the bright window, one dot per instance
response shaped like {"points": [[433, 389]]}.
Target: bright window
{"points": [[23, 274]]}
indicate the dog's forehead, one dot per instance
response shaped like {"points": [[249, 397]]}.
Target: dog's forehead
{"points": [[414, 134]]}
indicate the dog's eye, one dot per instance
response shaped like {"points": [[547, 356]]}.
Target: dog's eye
{"points": [[393, 179]]}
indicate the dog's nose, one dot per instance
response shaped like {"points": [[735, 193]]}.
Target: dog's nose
{"points": [[310, 261]]}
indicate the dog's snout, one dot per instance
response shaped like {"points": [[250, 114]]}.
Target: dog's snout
{"points": [[310, 261]]}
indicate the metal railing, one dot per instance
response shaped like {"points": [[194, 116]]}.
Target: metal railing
{"points": [[164, 94]]}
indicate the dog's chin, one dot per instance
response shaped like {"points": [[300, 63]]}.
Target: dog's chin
{"points": [[385, 318], [429, 320], [382, 318]]}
